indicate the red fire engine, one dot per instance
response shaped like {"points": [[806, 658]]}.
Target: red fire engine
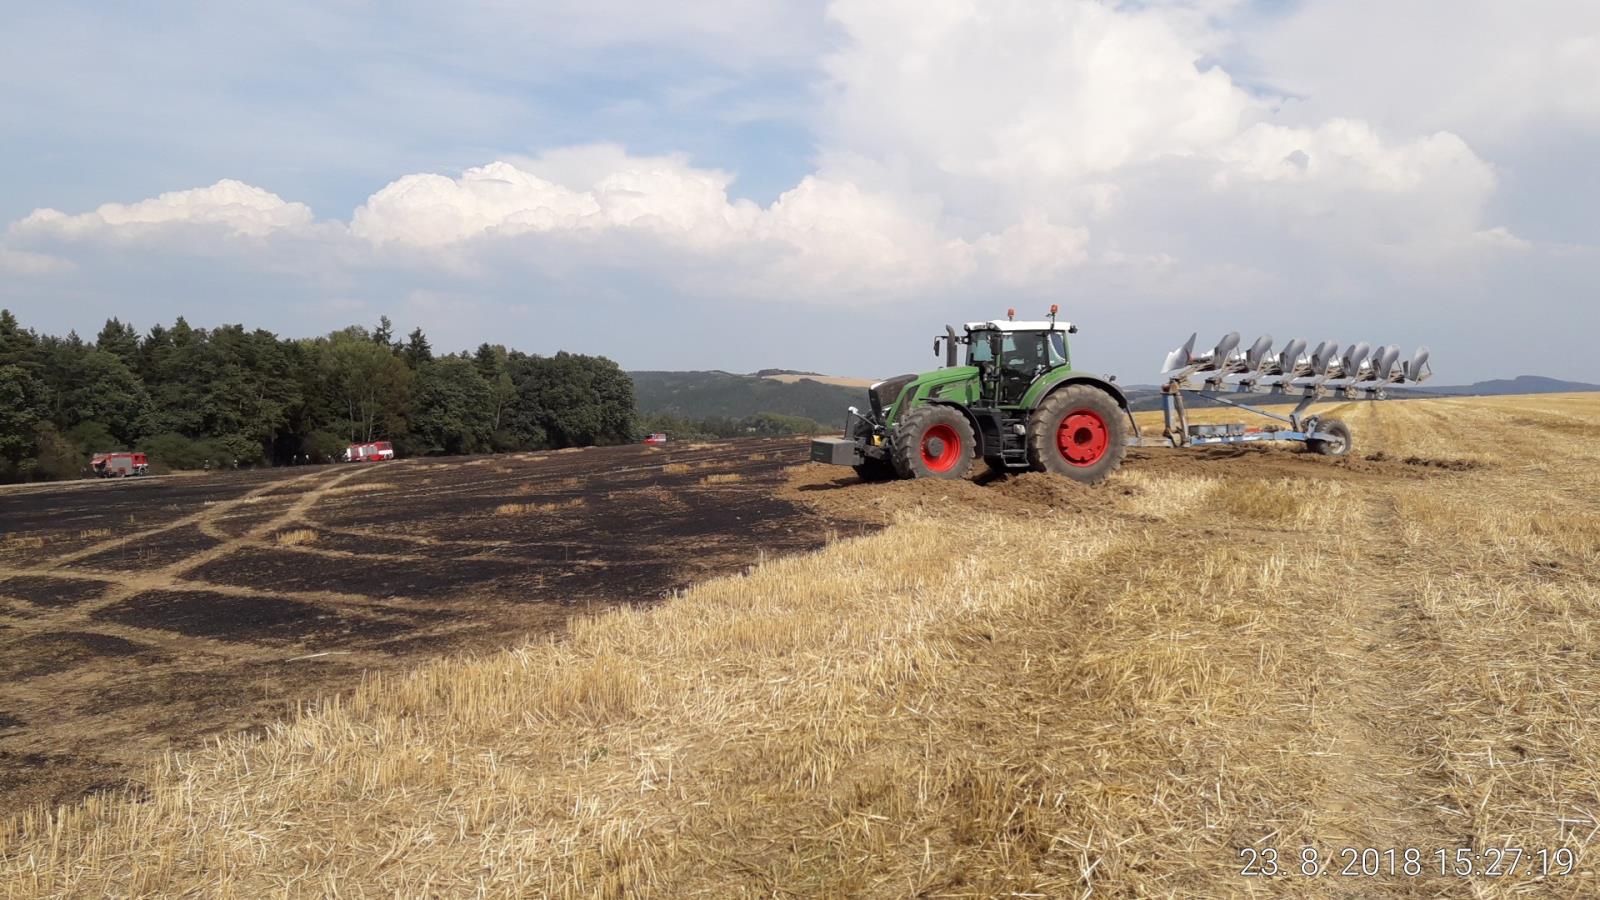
{"points": [[119, 465], [372, 451]]}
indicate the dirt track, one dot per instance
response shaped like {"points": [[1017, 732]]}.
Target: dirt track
{"points": [[144, 614]]}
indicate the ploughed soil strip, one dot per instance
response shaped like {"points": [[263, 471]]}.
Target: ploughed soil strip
{"points": [[142, 615]]}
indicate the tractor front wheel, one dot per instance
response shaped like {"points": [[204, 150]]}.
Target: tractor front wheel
{"points": [[1080, 432], [933, 442], [871, 469]]}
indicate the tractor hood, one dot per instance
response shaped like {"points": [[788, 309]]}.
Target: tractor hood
{"points": [[883, 394], [955, 383]]}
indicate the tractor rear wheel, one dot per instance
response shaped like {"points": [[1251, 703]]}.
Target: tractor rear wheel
{"points": [[933, 442], [1338, 445], [1079, 431]]}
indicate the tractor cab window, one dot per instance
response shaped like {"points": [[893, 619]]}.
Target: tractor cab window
{"points": [[1019, 350], [1023, 352], [1058, 348], [1019, 356]]}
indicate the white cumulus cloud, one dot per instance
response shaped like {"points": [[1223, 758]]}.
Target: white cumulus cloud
{"points": [[1023, 90], [231, 206], [669, 198], [820, 232], [1015, 109], [1035, 251], [1483, 68]]}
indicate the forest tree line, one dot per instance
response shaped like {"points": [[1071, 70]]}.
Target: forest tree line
{"points": [[190, 397]]}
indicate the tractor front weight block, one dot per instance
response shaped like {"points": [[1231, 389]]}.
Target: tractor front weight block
{"points": [[836, 451]]}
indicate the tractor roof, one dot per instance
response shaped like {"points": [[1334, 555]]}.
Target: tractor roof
{"points": [[1008, 325]]}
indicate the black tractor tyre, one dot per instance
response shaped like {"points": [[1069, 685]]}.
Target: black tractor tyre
{"points": [[1079, 431], [875, 470], [933, 442], [1339, 445]]}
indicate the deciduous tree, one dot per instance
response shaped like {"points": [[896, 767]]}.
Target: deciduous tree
{"points": [[451, 407]]}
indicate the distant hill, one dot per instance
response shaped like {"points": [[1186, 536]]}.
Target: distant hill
{"points": [[823, 398], [839, 380], [1522, 384], [700, 395]]}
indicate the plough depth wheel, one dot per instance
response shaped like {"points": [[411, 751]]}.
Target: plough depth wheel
{"points": [[1338, 445]]}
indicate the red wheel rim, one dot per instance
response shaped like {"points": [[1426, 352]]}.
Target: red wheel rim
{"points": [[1082, 437], [941, 447]]}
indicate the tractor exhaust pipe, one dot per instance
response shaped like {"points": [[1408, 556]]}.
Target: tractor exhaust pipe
{"points": [[950, 348]]}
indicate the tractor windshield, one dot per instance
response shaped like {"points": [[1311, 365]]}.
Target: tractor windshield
{"points": [[1018, 351]]}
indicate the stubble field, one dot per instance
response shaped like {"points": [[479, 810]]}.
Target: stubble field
{"points": [[1022, 687]]}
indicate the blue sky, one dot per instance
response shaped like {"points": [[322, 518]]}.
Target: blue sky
{"points": [[815, 185]]}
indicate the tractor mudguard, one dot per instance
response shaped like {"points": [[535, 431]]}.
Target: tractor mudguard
{"points": [[1109, 387], [1103, 384]]}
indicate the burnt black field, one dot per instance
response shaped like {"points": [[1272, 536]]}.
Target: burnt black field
{"points": [[142, 614]]}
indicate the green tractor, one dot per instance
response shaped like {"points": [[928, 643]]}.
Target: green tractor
{"points": [[1014, 402]]}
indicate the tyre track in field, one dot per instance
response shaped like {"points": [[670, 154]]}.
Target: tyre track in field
{"points": [[173, 577], [122, 586], [1381, 793], [206, 515]]}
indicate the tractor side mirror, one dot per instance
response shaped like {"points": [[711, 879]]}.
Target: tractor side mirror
{"points": [[936, 345]]}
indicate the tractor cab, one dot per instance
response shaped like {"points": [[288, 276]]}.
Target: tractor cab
{"points": [[1010, 355]]}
